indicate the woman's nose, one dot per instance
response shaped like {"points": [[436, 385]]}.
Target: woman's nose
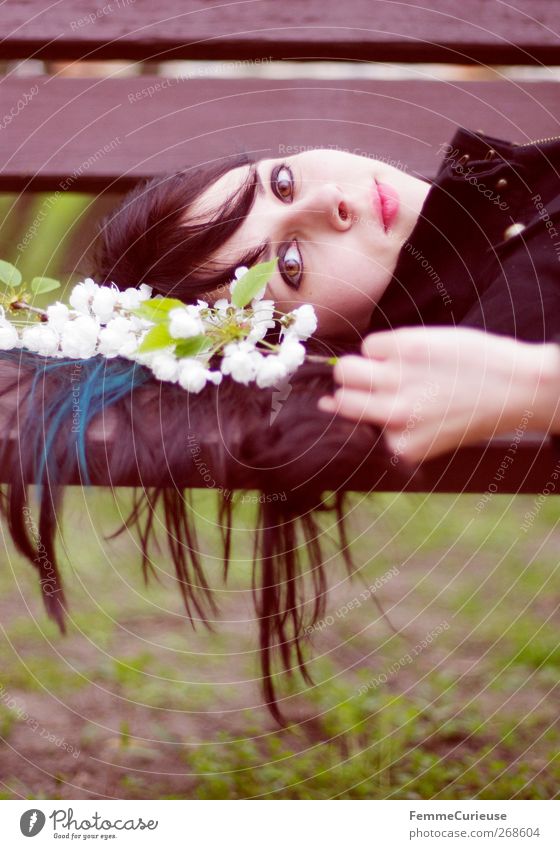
{"points": [[325, 204]]}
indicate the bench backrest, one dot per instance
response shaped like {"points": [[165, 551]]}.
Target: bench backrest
{"points": [[62, 134]]}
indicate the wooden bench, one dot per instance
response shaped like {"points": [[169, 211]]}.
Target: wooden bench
{"points": [[101, 135]]}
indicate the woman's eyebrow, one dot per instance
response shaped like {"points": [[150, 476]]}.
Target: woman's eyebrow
{"points": [[261, 192], [259, 182]]}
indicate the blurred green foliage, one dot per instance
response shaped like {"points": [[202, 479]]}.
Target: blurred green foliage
{"points": [[51, 234]]}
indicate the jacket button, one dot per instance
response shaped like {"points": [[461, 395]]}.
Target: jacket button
{"points": [[513, 230], [464, 159], [491, 154], [502, 183]]}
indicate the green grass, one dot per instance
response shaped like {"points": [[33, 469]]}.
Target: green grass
{"points": [[160, 710]]}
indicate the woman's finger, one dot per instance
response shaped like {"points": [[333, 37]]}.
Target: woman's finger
{"points": [[378, 408], [361, 373], [380, 345]]}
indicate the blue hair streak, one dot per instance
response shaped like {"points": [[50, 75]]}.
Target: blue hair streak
{"points": [[91, 386]]}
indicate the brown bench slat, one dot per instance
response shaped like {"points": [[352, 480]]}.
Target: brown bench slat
{"points": [[88, 135], [504, 465], [501, 466], [485, 31], [531, 466], [520, 462]]}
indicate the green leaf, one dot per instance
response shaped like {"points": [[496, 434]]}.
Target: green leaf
{"points": [[252, 282], [156, 338], [157, 309], [41, 285], [9, 274], [193, 346]]}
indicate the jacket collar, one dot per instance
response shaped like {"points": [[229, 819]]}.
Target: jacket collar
{"points": [[440, 272]]}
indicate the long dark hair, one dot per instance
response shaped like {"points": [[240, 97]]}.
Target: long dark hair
{"points": [[166, 436]]}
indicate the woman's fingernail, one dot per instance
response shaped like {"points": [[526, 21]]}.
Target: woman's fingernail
{"points": [[326, 403]]}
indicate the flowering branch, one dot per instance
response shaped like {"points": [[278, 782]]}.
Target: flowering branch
{"points": [[177, 341]]}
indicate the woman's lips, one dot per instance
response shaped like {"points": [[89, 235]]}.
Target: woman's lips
{"points": [[385, 203]]}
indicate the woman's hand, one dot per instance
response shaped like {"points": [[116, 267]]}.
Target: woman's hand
{"points": [[433, 389]]}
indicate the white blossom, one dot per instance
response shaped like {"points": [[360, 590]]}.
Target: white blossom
{"points": [[292, 353], [214, 377], [195, 309], [240, 367], [103, 303], [183, 324], [261, 320], [139, 324], [9, 337], [129, 347], [264, 309], [82, 295], [192, 375], [304, 323], [130, 299], [57, 316], [101, 321], [257, 332], [270, 371], [79, 337], [221, 305], [240, 361], [40, 339], [234, 347], [116, 337], [165, 366]]}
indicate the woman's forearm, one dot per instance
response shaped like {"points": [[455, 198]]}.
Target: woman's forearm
{"points": [[447, 387], [541, 374]]}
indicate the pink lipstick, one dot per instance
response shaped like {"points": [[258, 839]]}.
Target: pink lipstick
{"points": [[386, 203]]}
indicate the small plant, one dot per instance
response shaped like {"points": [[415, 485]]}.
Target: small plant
{"points": [[17, 295]]}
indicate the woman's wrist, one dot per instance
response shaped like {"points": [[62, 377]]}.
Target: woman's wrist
{"points": [[540, 377]]}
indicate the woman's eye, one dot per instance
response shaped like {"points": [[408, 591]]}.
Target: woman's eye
{"points": [[291, 266], [283, 182]]}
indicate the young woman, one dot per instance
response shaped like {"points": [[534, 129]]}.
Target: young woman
{"points": [[484, 254], [361, 241]]}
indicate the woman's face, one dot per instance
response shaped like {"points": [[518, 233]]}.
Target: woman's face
{"points": [[335, 220]]}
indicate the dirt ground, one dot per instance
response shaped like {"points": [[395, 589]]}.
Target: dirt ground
{"points": [[134, 703]]}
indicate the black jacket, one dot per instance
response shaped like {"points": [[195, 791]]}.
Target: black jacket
{"points": [[486, 249]]}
